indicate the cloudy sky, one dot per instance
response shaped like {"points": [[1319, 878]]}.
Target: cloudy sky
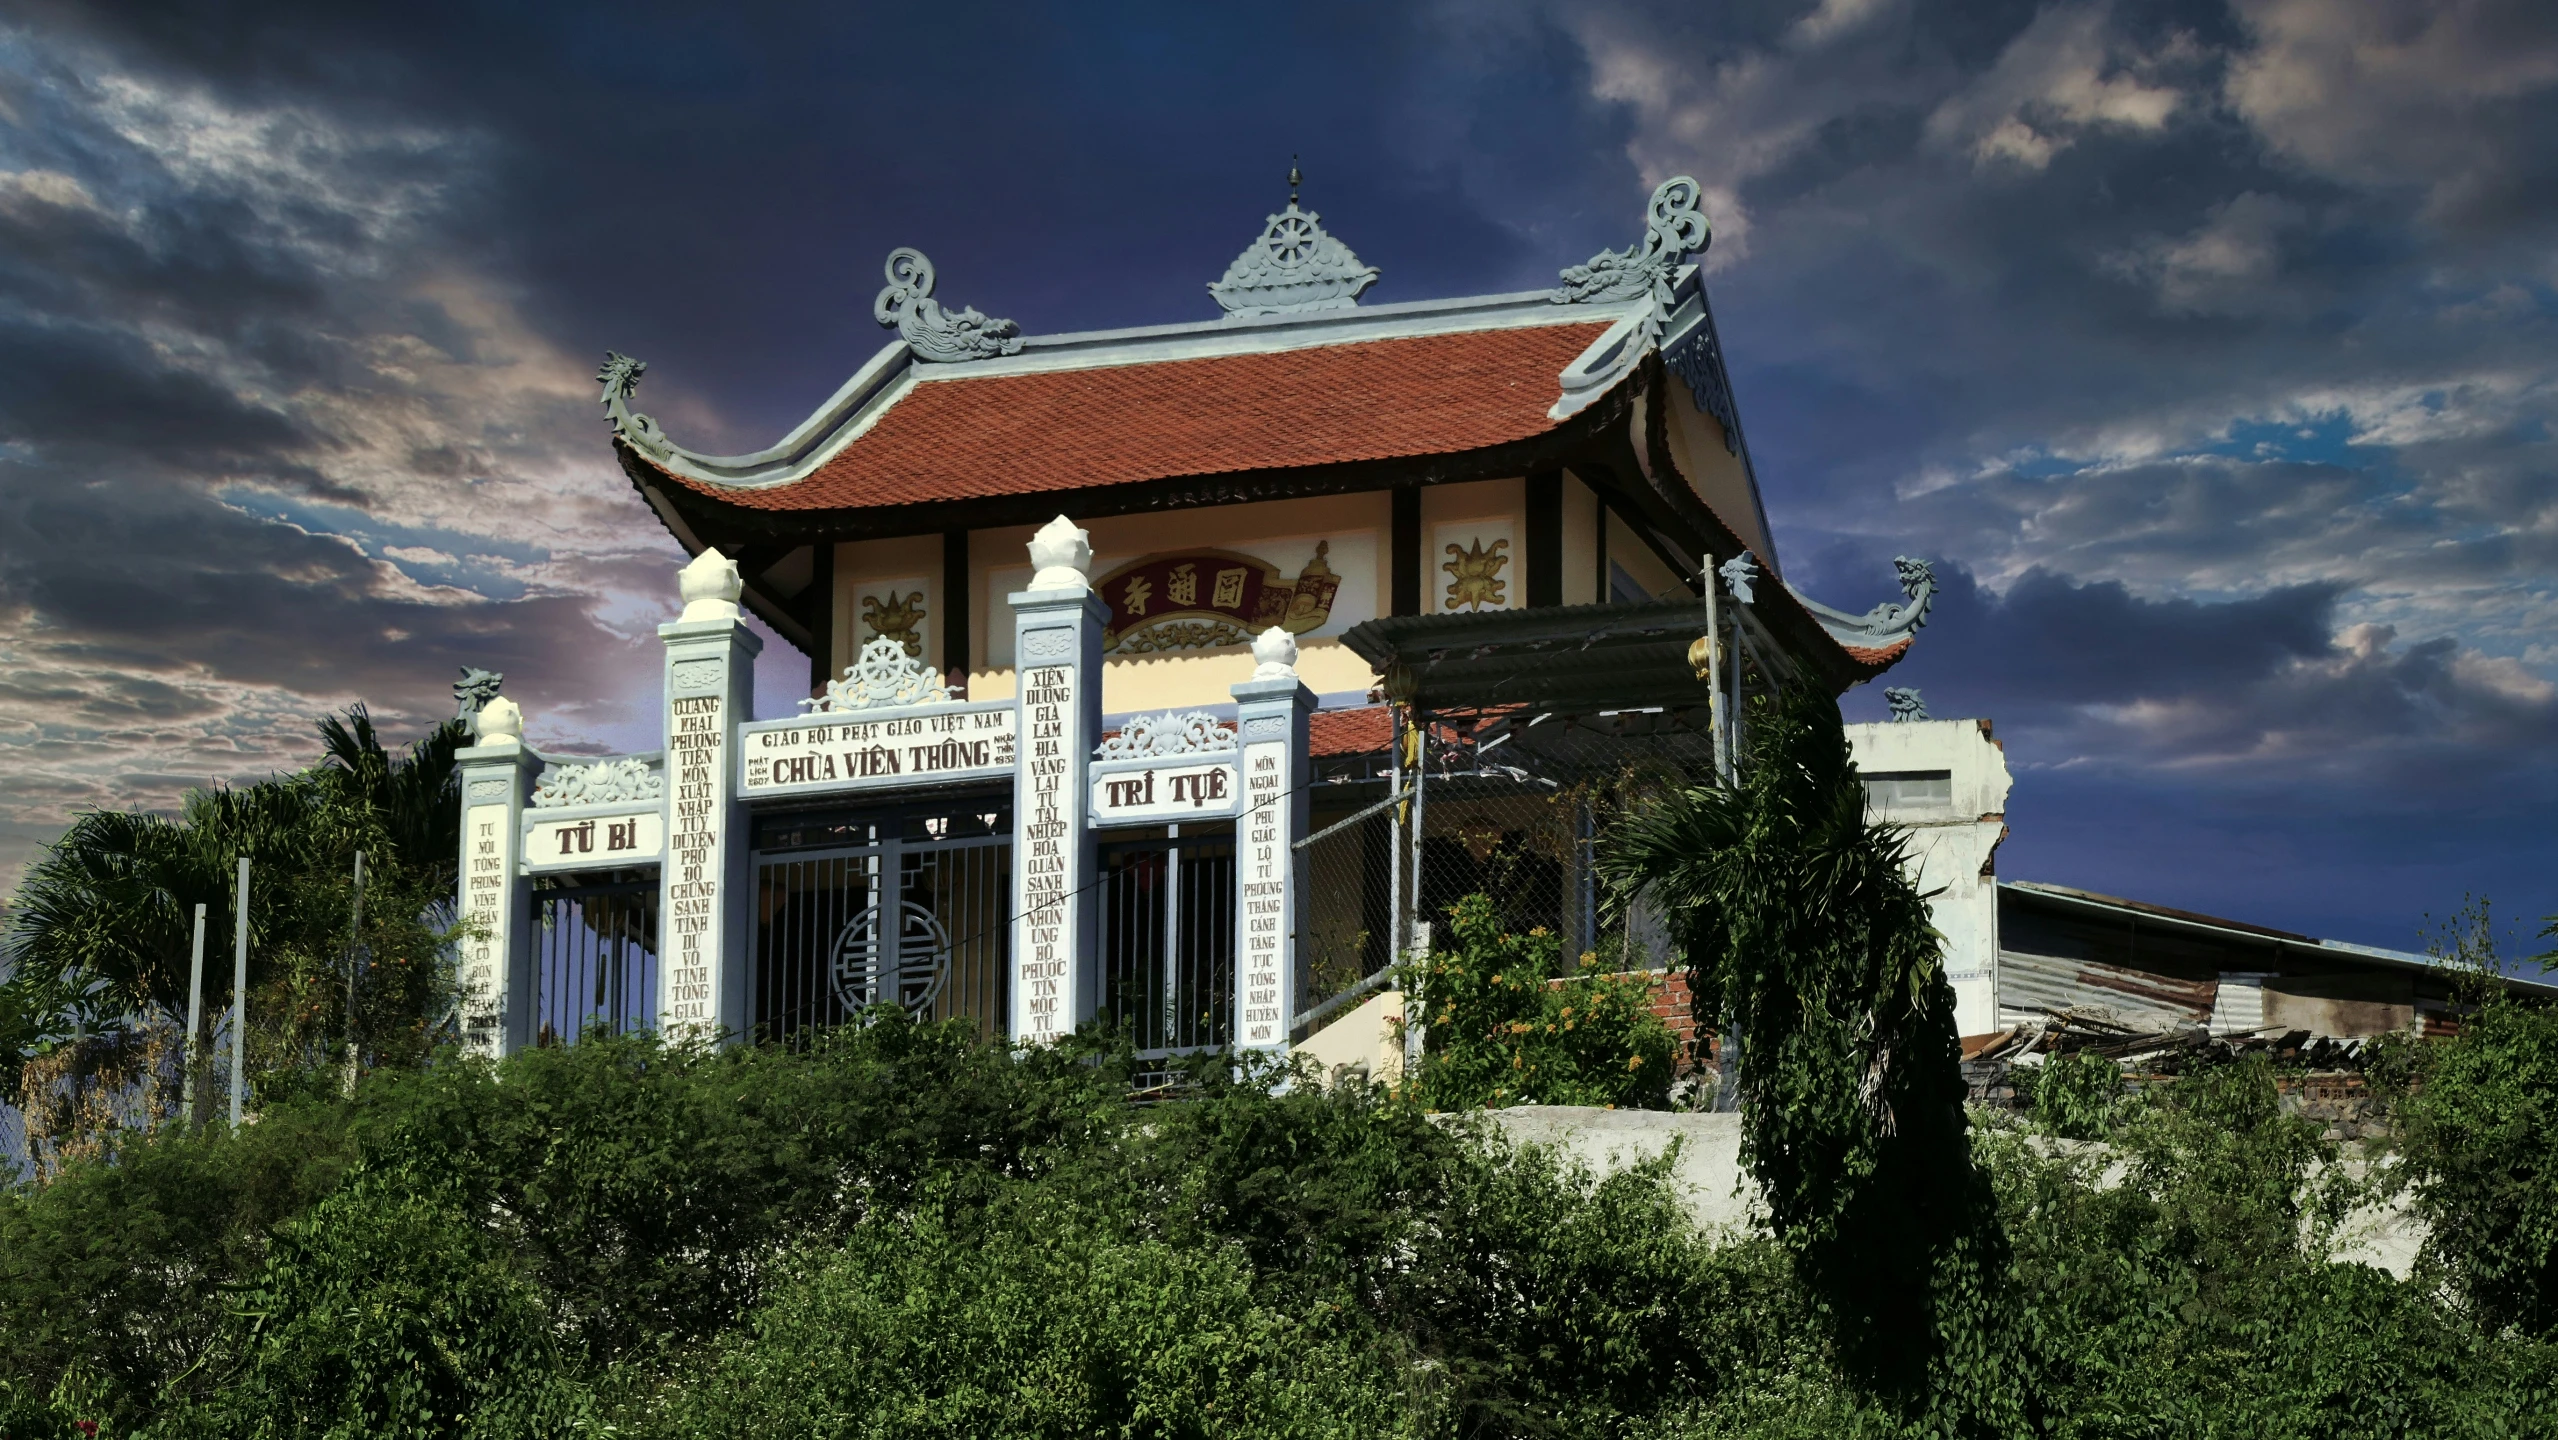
{"points": [[2207, 347]]}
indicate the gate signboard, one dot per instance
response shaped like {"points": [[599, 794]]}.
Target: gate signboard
{"points": [[1159, 792], [875, 750]]}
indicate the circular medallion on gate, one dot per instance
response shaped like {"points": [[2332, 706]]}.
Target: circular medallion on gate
{"points": [[874, 965]]}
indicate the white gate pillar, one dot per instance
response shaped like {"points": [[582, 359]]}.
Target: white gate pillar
{"points": [[1271, 711], [497, 981], [706, 915], [1056, 950]]}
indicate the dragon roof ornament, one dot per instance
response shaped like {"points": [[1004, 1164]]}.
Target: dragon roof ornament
{"points": [[1739, 573], [933, 333], [1294, 266], [1677, 229], [1653, 271], [620, 377], [1885, 623], [885, 677], [474, 690]]}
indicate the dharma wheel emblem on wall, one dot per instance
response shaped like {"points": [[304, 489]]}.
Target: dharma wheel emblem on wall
{"points": [[1199, 598]]}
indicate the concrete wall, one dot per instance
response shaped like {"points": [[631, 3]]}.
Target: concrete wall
{"points": [[1719, 1197], [1954, 842]]}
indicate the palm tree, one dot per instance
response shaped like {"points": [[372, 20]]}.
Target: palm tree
{"points": [[414, 798], [104, 921]]}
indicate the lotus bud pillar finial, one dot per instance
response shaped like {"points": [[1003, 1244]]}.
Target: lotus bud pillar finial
{"points": [[710, 587], [500, 722], [1276, 649], [1063, 553]]}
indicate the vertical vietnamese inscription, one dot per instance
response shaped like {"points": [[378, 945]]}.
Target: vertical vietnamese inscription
{"points": [[1266, 902], [1046, 844], [697, 783], [488, 847]]}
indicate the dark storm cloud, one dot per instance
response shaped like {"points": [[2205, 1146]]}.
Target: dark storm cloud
{"points": [[261, 604], [2048, 643]]}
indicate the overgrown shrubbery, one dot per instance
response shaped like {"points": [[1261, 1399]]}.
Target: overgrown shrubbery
{"points": [[900, 1232], [1508, 1026], [903, 1232], [2478, 1120]]}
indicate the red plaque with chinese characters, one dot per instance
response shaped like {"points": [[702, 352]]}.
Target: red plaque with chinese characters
{"points": [[1197, 598]]}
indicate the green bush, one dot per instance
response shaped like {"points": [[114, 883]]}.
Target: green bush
{"points": [[902, 1229], [2190, 1294], [1506, 1027], [2071, 1094], [1804, 936], [1044, 1323], [2479, 1129], [385, 1312]]}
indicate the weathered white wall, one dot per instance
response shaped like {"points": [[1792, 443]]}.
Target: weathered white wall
{"points": [[1954, 844], [1708, 1177], [1707, 1174]]}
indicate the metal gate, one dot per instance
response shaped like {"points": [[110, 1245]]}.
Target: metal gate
{"points": [[907, 906], [594, 956], [1168, 940]]}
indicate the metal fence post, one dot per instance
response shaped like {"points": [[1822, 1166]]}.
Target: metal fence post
{"points": [[195, 1056], [240, 994]]}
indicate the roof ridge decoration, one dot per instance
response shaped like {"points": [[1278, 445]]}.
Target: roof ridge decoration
{"points": [[1698, 360], [885, 677], [603, 782], [1886, 623], [933, 333], [1293, 267], [1676, 229], [1171, 732], [1652, 270]]}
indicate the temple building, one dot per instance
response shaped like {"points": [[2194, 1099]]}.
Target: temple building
{"points": [[1294, 457], [1180, 677]]}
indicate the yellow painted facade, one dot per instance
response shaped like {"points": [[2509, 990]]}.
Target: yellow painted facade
{"points": [[890, 579], [1715, 473]]}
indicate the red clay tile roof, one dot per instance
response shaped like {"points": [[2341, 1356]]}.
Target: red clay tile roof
{"points": [[1877, 658], [1363, 731], [962, 439]]}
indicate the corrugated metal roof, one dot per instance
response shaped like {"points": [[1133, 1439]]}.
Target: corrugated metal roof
{"points": [[2139, 998]]}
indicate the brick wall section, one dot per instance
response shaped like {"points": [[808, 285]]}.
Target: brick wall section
{"points": [[1671, 1002]]}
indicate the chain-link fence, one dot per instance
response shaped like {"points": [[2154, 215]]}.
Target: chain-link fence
{"points": [[1507, 804]]}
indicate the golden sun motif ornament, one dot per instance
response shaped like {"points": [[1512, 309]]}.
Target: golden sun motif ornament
{"points": [[895, 618], [1476, 581]]}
